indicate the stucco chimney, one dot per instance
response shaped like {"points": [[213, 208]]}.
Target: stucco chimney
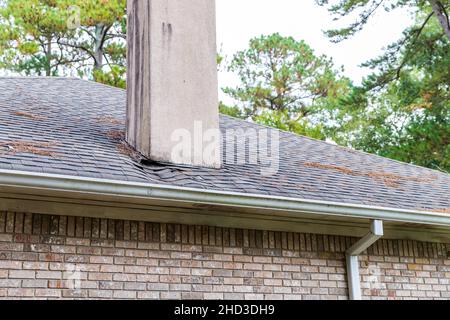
{"points": [[172, 89]]}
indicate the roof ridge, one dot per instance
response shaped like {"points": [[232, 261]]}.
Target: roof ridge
{"points": [[41, 77], [101, 84]]}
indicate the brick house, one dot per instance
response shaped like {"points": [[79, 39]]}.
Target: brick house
{"points": [[85, 214]]}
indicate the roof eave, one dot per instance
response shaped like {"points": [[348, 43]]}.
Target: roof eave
{"points": [[135, 190]]}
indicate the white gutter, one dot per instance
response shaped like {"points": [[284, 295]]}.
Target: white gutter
{"points": [[354, 281], [130, 190], [19, 179]]}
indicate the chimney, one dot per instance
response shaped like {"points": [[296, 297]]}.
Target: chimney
{"points": [[172, 87]]}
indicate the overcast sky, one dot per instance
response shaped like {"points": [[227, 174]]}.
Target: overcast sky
{"points": [[240, 20]]}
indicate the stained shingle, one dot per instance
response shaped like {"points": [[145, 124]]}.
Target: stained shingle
{"points": [[82, 117]]}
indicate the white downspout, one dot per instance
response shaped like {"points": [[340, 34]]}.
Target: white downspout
{"points": [[354, 281]]}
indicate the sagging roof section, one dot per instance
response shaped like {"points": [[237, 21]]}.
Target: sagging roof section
{"points": [[75, 127]]}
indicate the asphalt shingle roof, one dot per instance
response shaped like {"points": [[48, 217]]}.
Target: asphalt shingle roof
{"points": [[73, 127]]}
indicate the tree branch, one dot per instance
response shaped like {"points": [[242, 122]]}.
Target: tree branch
{"points": [[441, 14], [78, 47], [399, 69], [418, 33]]}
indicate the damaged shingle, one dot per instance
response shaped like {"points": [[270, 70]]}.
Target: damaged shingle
{"points": [[109, 120], [85, 124], [389, 179], [21, 146], [29, 115]]}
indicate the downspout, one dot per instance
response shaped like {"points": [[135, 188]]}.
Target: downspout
{"points": [[354, 281]]}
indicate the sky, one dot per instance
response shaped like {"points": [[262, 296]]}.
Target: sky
{"points": [[240, 20]]}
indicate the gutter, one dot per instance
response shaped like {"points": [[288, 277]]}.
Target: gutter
{"points": [[70, 184], [39, 182]]}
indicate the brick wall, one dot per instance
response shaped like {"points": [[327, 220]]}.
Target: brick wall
{"points": [[66, 257]]}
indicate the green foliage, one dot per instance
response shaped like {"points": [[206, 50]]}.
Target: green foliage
{"points": [[284, 84], [405, 122], [233, 111], [281, 120], [114, 77], [402, 111], [28, 30], [60, 37], [363, 10]]}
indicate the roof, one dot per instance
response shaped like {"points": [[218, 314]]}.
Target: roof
{"points": [[74, 127]]}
